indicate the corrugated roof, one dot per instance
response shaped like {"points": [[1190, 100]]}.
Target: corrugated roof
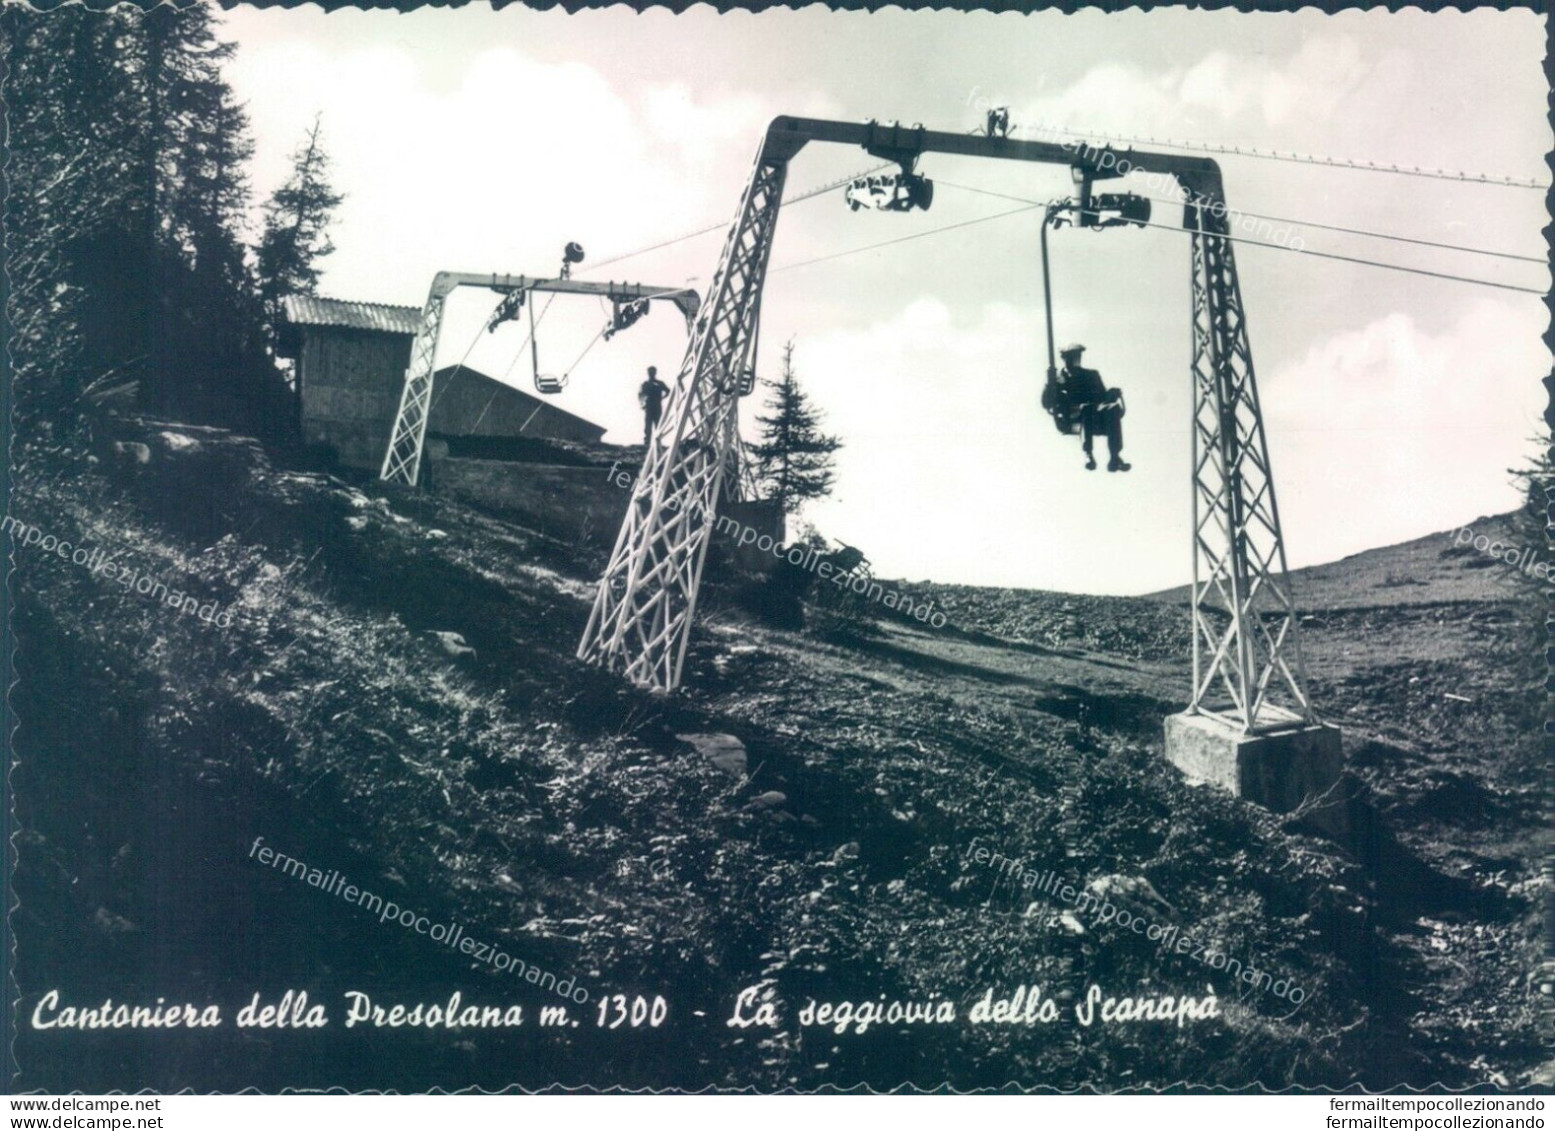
{"points": [[447, 373], [315, 310]]}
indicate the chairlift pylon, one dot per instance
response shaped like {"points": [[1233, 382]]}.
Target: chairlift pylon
{"points": [[743, 381]]}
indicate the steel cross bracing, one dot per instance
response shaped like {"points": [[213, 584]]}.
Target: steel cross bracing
{"points": [[1248, 639], [402, 459], [641, 620]]}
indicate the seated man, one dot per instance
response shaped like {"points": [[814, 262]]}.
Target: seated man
{"points": [[1100, 409]]}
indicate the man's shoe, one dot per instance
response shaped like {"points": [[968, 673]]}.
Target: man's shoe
{"points": [[1090, 462], [1116, 464]]}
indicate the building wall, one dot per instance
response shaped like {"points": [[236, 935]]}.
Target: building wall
{"points": [[351, 382], [582, 505], [572, 504], [763, 516], [351, 386], [465, 406]]}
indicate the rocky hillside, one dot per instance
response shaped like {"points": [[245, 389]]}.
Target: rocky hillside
{"points": [[395, 696]]}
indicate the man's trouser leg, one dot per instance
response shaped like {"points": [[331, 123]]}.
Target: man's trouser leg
{"points": [[1089, 426], [650, 422], [1113, 424]]}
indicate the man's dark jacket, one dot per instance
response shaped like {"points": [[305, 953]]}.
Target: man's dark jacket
{"points": [[651, 392], [1080, 386]]}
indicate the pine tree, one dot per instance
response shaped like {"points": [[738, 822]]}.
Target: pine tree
{"points": [[125, 215], [73, 135], [1532, 524], [207, 347], [1532, 520], [296, 227], [793, 460]]}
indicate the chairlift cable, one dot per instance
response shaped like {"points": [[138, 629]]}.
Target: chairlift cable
{"points": [[534, 349], [904, 239], [1233, 239], [808, 194], [550, 298], [457, 368], [1304, 223], [568, 372], [508, 372], [592, 343], [1366, 232], [534, 322], [651, 247], [1473, 178], [1299, 158]]}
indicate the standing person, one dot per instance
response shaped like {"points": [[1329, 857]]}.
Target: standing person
{"points": [[651, 394], [1100, 408]]}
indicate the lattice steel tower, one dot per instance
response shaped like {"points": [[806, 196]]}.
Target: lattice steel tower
{"points": [[1244, 621]]}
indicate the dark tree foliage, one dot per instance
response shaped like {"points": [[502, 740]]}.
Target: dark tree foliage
{"points": [[296, 231], [1531, 526], [792, 462], [1536, 481], [124, 221], [71, 178]]}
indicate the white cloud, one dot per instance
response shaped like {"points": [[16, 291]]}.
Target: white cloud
{"points": [[1312, 85], [1391, 431], [703, 132], [488, 151], [1223, 93], [951, 468], [495, 172], [1378, 435]]}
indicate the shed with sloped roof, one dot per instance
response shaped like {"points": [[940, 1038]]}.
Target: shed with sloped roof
{"points": [[350, 363], [351, 359]]}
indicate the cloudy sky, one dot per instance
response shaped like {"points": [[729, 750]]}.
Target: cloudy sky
{"points": [[1395, 403]]}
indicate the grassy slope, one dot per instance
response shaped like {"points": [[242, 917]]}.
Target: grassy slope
{"points": [[553, 811]]}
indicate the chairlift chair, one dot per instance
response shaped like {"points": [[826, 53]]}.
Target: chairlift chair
{"points": [[1129, 209], [546, 383], [1052, 400], [891, 192]]}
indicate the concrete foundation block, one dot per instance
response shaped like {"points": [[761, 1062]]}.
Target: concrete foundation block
{"points": [[1279, 771]]}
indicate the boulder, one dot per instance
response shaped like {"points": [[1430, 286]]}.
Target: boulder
{"points": [[723, 750], [452, 643], [1134, 893], [129, 457], [111, 924]]}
